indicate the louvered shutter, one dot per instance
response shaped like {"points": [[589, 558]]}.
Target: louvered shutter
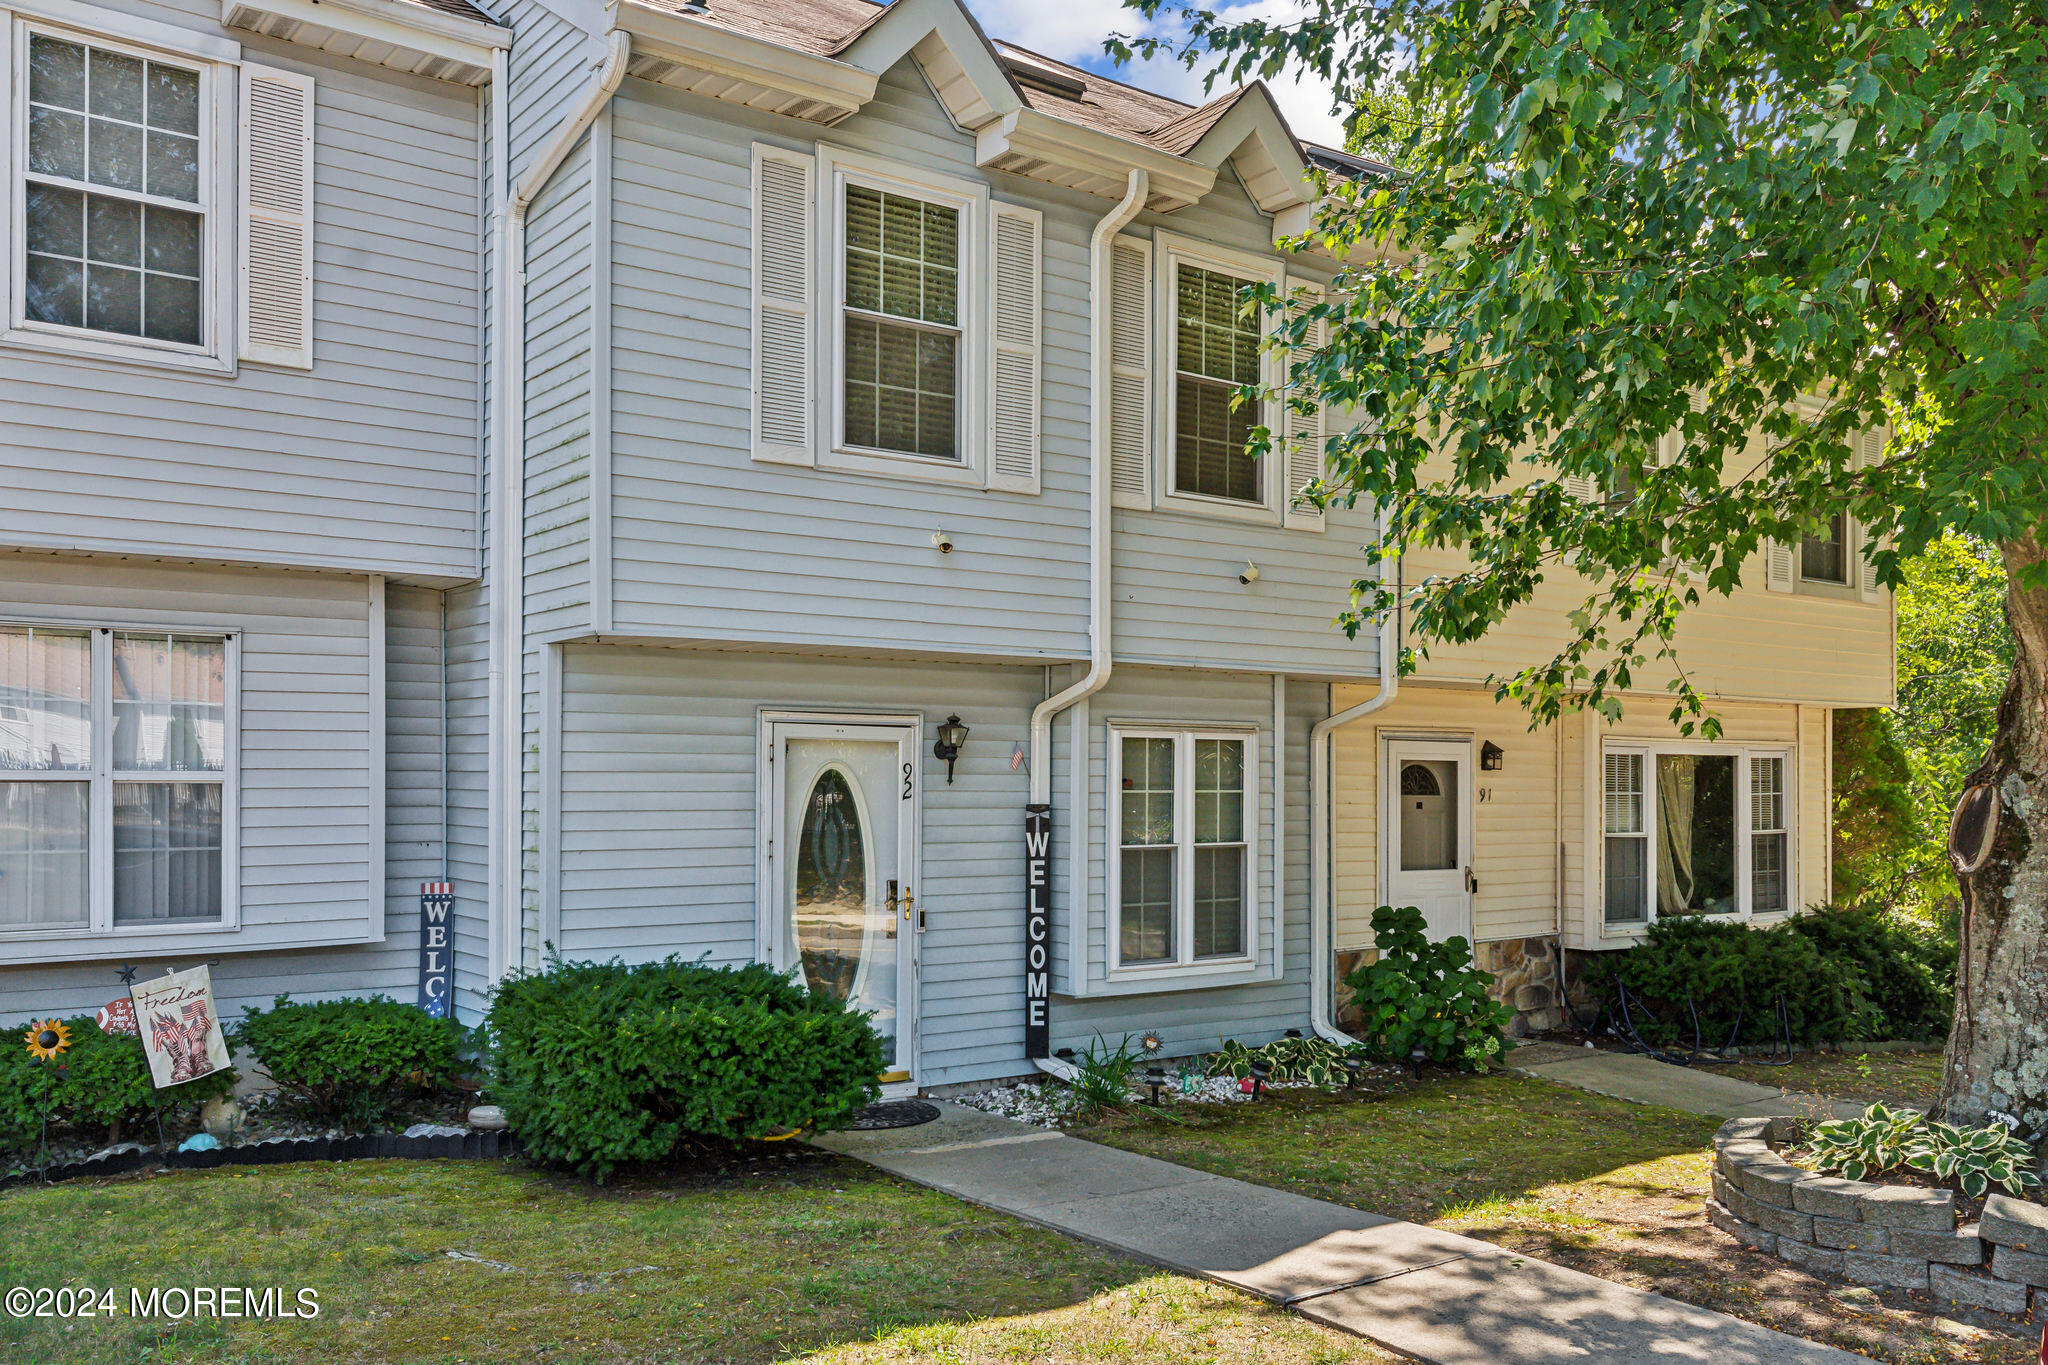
{"points": [[784, 272], [1579, 487], [1014, 373], [1302, 460], [1781, 564], [275, 258], [1869, 452], [1130, 356]]}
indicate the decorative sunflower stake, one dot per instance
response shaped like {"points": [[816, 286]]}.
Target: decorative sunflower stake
{"points": [[48, 1040]]}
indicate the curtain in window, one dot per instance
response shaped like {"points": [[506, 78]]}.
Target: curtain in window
{"points": [[44, 855], [167, 851], [1675, 794]]}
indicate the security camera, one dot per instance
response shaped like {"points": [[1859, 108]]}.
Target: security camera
{"points": [[1250, 574], [942, 542]]}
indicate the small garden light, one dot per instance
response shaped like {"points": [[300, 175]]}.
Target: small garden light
{"points": [[1260, 1074], [1155, 1081], [1354, 1067], [947, 746]]}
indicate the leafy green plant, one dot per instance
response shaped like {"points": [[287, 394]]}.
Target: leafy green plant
{"points": [[598, 1064], [1316, 1061], [1975, 1158], [351, 1062], [100, 1079], [1879, 1141], [1103, 1074], [1420, 995]]}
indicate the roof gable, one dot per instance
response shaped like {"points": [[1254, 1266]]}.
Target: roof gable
{"points": [[956, 56]]}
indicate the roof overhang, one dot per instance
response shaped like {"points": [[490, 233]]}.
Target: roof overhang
{"points": [[1057, 151], [690, 54], [391, 33], [957, 58], [1253, 137]]}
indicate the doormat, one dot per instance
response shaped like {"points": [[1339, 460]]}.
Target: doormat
{"points": [[893, 1114]]}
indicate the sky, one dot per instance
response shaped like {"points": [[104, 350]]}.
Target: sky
{"points": [[1073, 31]]}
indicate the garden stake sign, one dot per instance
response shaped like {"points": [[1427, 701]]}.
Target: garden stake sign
{"points": [[47, 1042], [179, 1028]]}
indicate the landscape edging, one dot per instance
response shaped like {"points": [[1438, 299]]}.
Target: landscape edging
{"points": [[1766, 1203]]}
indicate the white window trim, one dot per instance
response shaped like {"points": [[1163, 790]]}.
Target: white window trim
{"points": [[837, 168], [1184, 966], [99, 829], [1170, 252], [1843, 588], [1742, 754], [217, 83]]}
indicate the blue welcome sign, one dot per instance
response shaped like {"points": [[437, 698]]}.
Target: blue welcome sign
{"points": [[437, 953]]}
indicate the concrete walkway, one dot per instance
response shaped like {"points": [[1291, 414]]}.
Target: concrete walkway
{"points": [[1433, 1296], [1692, 1089]]}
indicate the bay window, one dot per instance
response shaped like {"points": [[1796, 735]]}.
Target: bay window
{"points": [[1182, 866], [1693, 831], [116, 773]]}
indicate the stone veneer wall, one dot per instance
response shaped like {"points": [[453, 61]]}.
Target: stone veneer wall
{"points": [[1525, 980], [1899, 1236]]}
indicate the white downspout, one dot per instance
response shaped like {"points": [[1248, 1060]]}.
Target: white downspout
{"points": [[1322, 970], [1099, 516], [508, 544]]}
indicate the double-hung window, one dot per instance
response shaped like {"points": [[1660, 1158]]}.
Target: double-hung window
{"points": [[116, 779], [1824, 556], [117, 191], [902, 351], [1183, 857], [1693, 832], [1216, 352]]}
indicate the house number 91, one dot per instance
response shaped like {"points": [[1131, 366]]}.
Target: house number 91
{"points": [[1485, 793]]}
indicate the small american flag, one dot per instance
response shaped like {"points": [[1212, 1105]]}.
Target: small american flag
{"points": [[1017, 759]]}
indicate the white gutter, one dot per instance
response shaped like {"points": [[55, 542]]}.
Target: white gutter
{"points": [[1321, 969], [1099, 515], [508, 545]]}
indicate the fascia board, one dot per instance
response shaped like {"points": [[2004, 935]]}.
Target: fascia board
{"points": [[431, 32], [1046, 137], [738, 56]]}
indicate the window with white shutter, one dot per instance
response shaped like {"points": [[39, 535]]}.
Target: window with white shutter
{"points": [[784, 274], [277, 217], [1305, 432], [1869, 453], [1130, 356], [1014, 373]]}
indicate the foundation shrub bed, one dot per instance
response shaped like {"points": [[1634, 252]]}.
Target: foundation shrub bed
{"points": [[1419, 996], [100, 1079], [352, 1062], [600, 1064], [1845, 974]]}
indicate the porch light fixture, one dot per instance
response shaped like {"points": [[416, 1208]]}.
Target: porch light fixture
{"points": [[1490, 756], [947, 746]]}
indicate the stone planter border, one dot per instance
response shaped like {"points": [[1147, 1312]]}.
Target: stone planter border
{"points": [[475, 1145], [1892, 1236]]}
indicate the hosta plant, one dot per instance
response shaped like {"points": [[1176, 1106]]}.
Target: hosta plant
{"points": [[1975, 1158], [1316, 1061], [1879, 1141]]}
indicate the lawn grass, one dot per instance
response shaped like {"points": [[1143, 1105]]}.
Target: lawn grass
{"points": [[1600, 1185], [827, 1259], [1897, 1078]]}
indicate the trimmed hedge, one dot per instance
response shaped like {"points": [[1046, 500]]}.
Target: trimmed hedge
{"points": [[1846, 975], [598, 1064], [352, 1062], [100, 1078]]}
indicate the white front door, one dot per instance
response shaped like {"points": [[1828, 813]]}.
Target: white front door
{"points": [[1426, 855], [842, 907]]}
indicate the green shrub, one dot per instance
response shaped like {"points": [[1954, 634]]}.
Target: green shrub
{"points": [[351, 1063], [1420, 994], [1845, 974], [601, 1064], [100, 1078], [1102, 1075]]}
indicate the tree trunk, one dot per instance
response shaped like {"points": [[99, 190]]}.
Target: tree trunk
{"points": [[1997, 1057]]}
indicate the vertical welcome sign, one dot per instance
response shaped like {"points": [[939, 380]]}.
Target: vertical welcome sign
{"points": [[1037, 929], [437, 903]]}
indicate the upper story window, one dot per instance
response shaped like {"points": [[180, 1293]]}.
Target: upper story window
{"points": [[1694, 832], [116, 205], [116, 779], [901, 360], [1824, 558], [1216, 352], [1183, 857], [131, 209]]}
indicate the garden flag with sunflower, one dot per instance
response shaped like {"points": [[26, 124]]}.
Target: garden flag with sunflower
{"points": [[180, 1031]]}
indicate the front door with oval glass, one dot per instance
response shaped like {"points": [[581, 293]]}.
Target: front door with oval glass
{"points": [[1426, 860], [843, 914]]}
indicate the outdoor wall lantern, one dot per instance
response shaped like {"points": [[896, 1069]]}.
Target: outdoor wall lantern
{"points": [[951, 736], [1490, 756]]}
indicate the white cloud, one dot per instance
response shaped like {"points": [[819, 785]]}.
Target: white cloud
{"points": [[1074, 30]]}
